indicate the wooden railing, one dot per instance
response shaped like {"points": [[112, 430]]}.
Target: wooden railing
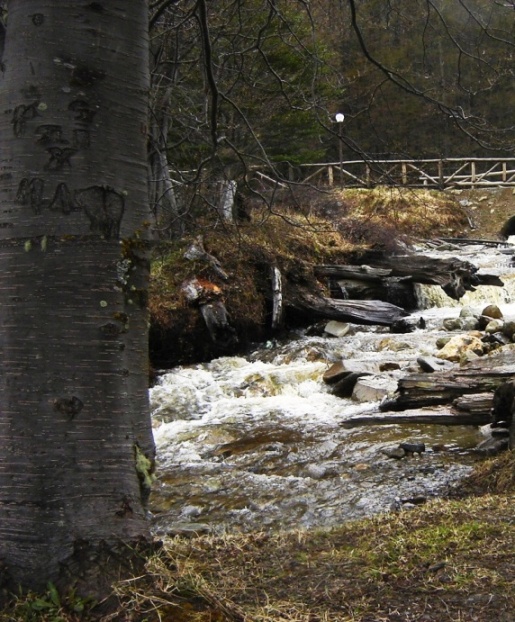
{"points": [[432, 173]]}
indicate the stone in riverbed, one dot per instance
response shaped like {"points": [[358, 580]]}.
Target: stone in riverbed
{"points": [[492, 311], [394, 452], [457, 346], [494, 326], [430, 364], [413, 448], [341, 369], [337, 329], [509, 329], [373, 388]]}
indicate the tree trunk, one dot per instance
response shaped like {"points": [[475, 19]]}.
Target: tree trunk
{"points": [[76, 449]]}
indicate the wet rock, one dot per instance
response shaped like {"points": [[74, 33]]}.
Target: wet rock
{"points": [[393, 345], [345, 386], [467, 311], [494, 326], [336, 372], [489, 313], [492, 311], [442, 341], [413, 448], [456, 346], [389, 366], [396, 453], [467, 356], [498, 339], [337, 329], [403, 326], [492, 446], [470, 323], [431, 364], [509, 329], [343, 375], [460, 323], [373, 388], [453, 323]]}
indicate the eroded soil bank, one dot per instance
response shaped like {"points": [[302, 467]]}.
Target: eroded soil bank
{"points": [[304, 231]]}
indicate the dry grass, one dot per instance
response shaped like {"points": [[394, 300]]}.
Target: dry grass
{"points": [[448, 560]]}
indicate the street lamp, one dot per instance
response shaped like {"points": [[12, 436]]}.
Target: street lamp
{"points": [[340, 117]]}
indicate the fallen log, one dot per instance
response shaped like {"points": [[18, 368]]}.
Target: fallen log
{"points": [[356, 311], [420, 417], [480, 403], [455, 276], [482, 375]]}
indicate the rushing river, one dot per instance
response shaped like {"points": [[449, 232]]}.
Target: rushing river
{"points": [[258, 442]]}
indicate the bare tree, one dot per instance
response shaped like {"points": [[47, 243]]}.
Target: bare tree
{"points": [[76, 449]]}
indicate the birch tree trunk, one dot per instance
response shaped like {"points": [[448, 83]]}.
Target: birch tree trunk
{"points": [[76, 449]]}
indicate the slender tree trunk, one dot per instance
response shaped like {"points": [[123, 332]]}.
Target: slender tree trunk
{"points": [[76, 448]]}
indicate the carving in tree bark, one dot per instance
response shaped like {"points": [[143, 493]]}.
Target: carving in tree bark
{"points": [[76, 448]]}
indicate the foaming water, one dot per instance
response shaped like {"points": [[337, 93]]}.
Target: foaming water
{"points": [[259, 442]]}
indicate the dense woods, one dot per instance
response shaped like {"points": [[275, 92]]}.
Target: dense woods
{"points": [[257, 84]]}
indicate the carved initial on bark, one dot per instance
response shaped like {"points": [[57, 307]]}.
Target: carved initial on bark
{"points": [[104, 208]]}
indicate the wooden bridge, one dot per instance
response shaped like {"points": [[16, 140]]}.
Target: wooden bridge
{"points": [[431, 173]]}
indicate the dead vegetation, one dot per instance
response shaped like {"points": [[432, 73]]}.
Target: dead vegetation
{"points": [[304, 230]]}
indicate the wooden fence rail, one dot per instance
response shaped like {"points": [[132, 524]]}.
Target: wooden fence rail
{"points": [[431, 173]]}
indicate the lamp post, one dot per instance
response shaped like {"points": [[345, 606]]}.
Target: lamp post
{"points": [[340, 117]]}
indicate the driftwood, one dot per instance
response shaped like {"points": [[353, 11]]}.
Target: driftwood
{"points": [[277, 298], [421, 417], [356, 311], [217, 321], [480, 403], [481, 375], [453, 275], [366, 283], [467, 241], [208, 298], [197, 252]]}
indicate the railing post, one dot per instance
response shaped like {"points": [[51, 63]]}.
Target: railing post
{"points": [[404, 173], [330, 179], [504, 172], [440, 174], [473, 174], [367, 174]]}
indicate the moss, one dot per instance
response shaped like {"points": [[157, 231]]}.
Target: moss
{"points": [[144, 468]]}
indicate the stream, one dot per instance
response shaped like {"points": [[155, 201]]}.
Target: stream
{"points": [[258, 442]]}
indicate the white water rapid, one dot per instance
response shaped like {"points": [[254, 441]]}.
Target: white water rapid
{"points": [[257, 442]]}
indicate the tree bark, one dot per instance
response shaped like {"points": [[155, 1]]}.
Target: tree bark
{"points": [[76, 449]]}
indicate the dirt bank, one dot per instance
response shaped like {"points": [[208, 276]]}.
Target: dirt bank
{"points": [[301, 232]]}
